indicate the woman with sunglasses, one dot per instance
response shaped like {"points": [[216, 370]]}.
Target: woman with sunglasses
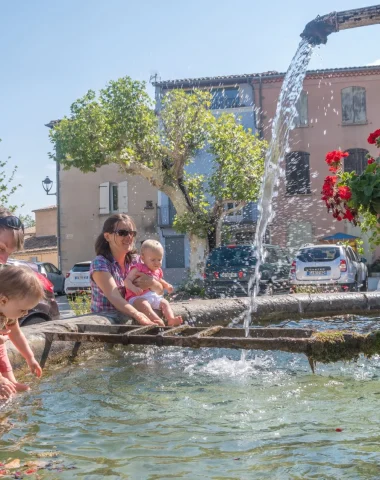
{"points": [[11, 240], [115, 254]]}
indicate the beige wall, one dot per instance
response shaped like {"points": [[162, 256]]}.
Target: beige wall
{"points": [[42, 256], [46, 222], [324, 133], [81, 221]]}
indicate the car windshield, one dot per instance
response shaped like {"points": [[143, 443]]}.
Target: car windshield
{"points": [[320, 254], [81, 267], [232, 256]]}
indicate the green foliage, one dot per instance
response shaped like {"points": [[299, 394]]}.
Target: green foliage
{"points": [[239, 161], [7, 189], [80, 303], [27, 220]]}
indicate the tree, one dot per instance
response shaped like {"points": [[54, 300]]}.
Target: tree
{"points": [[27, 220], [120, 126], [7, 189]]}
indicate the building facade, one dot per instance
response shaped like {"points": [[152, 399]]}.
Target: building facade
{"points": [[41, 241]]}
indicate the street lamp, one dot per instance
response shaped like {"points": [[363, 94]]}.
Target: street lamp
{"points": [[47, 185]]}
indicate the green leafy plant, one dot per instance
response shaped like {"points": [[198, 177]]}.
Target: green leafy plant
{"points": [[80, 303]]}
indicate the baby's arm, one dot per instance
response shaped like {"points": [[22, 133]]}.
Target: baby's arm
{"points": [[21, 343], [167, 286], [128, 282]]}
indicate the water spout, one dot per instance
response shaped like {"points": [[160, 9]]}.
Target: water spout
{"points": [[317, 31]]}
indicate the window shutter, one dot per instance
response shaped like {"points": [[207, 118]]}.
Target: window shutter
{"points": [[123, 197], [291, 174], [356, 161], [297, 173], [301, 118], [354, 108], [359, 105], [104, 198], [303, 173]]}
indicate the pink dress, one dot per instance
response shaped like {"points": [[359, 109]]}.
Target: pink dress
{"points": [[141, 267]]}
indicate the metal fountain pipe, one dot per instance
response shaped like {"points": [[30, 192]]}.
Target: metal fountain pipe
{"points": [[317, 31]]}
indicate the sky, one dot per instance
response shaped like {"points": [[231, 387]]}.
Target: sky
{"points": [[52, 52]]}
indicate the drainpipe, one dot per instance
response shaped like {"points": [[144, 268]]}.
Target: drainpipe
{"points": [[261, 127], [317, 31]]}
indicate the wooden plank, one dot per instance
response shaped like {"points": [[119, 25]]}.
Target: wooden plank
{"points": [[174, 330], [142, 330], [208, 332]]}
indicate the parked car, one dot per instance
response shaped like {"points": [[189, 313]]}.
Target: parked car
{"points": [[78, 278], [56, 277], [46, 309], [329, 266], [229, 268]]}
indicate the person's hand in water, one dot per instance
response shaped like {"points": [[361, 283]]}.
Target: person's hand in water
{"points": [[7, 389]]}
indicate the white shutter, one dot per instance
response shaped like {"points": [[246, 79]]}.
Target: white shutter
{"points": [[123, 197], [104, 198]]}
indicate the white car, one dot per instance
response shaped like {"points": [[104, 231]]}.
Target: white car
{"points": [[330, 267], [78, 278]]}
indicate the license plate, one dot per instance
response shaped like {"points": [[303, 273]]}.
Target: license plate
{"points": [[316, 273], [81, 277], [228, 275]]}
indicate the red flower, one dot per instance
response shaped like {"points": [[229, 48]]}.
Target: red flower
{"points": [[349, 215], [344, 192], [371, 160], [335, 156], [373, 137]]}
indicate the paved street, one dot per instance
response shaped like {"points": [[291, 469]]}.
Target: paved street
{"points": [[64, 307]]}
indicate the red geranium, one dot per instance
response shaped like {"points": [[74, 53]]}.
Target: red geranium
{"points": [[349, 215], [373, 137], [344, 192], [371, 160], [336, 156]]}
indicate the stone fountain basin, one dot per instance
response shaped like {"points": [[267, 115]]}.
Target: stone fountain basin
{"points": [[205, 313]]}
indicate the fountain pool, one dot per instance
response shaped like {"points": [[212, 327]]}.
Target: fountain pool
{"points": [[146, 413]]}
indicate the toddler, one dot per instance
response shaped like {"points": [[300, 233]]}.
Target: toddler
{"points": [[145, 300], [20, 291]]}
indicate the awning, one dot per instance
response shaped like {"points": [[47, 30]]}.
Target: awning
{"points": [[340, 236]]}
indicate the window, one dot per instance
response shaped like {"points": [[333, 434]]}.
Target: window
{"points": [[301, 119], [236, 216], [47, 267], [113, 197], [354, 110], [297, 173], [356, 161], [175, 251], [225, 98]]}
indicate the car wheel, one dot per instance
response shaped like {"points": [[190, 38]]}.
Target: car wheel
{"points": [[364, 287], [33, 321]]}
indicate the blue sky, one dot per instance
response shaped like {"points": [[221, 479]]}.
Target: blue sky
{"points": [[53, 52]]}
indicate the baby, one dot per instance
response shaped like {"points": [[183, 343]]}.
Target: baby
{"points": [[145, 300], [20, 291]]}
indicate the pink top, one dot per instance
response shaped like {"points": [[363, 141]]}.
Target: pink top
{"points": [[141, 267]]}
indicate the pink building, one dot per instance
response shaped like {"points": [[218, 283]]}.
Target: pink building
{"points": [[338, 109]]}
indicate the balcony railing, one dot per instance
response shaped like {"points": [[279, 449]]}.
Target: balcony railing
{"points": [[248, 214], [165, 215]]}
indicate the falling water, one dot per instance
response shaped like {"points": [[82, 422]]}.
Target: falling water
{"points": [[281, 126]]}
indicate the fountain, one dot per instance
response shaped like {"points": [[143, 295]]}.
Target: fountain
{"points": [[157, 413]]}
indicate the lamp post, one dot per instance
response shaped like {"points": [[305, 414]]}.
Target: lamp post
{"points": [[47, 185]]}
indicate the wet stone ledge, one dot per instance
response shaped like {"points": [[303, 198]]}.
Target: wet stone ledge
{"points": [[202, 313]]}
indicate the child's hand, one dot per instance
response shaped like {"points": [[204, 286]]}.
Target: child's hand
{"points": [[6, 388], [169, 288], [137, 290], [35, 367]]}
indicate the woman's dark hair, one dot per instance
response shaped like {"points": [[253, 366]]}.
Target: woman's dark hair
{"points": [[102, 247], [18, 235]]}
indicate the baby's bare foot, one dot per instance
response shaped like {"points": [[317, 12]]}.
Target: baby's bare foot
{"points": [[175, 321]]}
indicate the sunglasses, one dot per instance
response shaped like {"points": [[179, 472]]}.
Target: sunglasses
{"points": [[12, 222], [124, 233]]}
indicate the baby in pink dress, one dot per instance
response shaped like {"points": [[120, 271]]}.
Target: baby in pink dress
{"points": [[146, 301]]}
